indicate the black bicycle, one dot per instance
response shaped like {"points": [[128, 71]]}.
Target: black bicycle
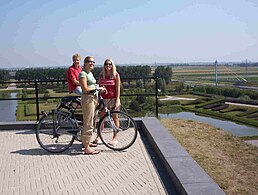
{"points": [[57, 129]]}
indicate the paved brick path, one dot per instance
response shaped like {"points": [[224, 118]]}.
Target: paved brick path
{"points": [[25, 168]]}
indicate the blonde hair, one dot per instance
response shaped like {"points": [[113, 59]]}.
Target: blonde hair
{"points": [[76, 56], [113, 71]]}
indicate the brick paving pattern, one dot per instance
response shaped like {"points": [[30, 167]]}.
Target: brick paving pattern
{"points": [[25, 168]]}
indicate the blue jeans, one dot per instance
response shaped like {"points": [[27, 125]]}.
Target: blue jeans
{"points": [[78, 90]]}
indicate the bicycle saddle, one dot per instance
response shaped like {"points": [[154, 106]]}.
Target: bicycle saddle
{"points": [[68, 102]]}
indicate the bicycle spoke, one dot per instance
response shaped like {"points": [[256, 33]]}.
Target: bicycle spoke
{"points": [[54, 132], [126, 134]]}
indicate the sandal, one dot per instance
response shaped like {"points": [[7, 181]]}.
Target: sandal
{"points": [[92, 144], [113, 143], [93, 152]]}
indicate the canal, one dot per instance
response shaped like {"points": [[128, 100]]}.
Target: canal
{"points": [[8, 109]]}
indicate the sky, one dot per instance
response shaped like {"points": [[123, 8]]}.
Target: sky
{"points": [[36, 33]]}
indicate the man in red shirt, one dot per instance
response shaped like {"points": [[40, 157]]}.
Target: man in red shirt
{"points": [[72, 75]]}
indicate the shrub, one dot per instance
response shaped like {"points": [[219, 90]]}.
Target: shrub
{"points": [[220, 100], [234, 108], [248, 112], [254, 115], [222, 107], [134, 105], [209, 106]]}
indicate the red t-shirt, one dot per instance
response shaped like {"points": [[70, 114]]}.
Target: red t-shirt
{"points": [[72, 73], [110, 85]]}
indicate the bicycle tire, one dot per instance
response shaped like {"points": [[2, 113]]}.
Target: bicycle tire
{"points": [[126, 136], [54, 132]]}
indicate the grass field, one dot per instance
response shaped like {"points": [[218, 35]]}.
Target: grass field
{"points": [[207, 73], [230, 161], [26, 110]]}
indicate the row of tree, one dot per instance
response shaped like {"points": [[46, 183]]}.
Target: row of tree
{"points": [[30, 74], [163, 72]]}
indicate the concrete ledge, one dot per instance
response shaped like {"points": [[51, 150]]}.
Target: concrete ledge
{"points": [[20, 125], [188, 176]]}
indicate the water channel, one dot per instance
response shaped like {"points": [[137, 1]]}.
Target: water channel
{"points": [[8, 109], [228, 126]]}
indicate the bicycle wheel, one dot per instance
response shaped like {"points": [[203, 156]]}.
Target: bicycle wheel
{"points": [[55, 132], [126, 136], [123, 109], [125, 123]]}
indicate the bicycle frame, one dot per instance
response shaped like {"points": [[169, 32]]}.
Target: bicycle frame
{"points": [[102, 106]]}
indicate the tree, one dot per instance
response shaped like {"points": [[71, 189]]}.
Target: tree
{"points": [[134, 105], [4, 75], [96, 71], [141, 99], [180, 87], [164, 72], [161, 84]]}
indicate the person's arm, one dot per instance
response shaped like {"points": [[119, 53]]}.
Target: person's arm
{"points": [[75, 82], [84, 86], [118, 83], [73, 78]]}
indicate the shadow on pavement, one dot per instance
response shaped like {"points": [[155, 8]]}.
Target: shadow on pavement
{"points": [[75, 149]]}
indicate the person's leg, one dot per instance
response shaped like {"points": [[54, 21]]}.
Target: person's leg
{"points": [[88, 108], [97, 139], [116, 120], [114, 140]]}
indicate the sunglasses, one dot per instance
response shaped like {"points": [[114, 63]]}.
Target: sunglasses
{"points": [[91, 62], [108, 64]]}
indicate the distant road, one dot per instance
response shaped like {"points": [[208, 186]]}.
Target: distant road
{"points": [[12, 86], [176, 98]]}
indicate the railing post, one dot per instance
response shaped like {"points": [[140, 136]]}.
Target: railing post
{"points": [[156, 96], [37, 98]]}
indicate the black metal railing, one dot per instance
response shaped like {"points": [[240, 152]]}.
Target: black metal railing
{"points": [[37, 83]]}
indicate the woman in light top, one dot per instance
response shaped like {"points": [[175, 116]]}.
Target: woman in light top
{"points": [[89, 102]]}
